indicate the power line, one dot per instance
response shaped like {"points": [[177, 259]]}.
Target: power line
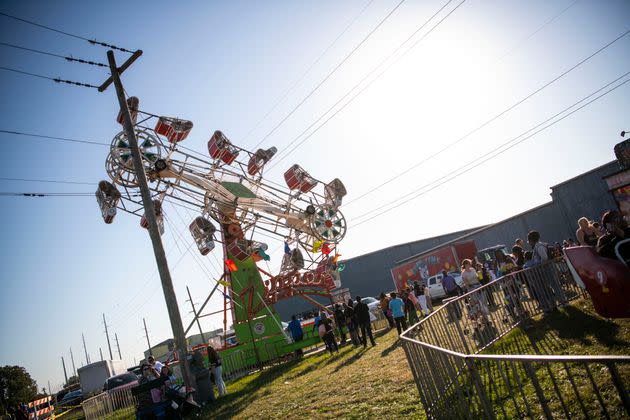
{"points": [[47, 180], [54, 79], [67, 58], [91, 41], [20, 133], [295, 108], [492, 119], [55, 194], [297, 82], [277, 161], [493, 153]]}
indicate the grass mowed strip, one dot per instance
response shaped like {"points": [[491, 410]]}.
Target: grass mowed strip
{"points": [[356, 383]]}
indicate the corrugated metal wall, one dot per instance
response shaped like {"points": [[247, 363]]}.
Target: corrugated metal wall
{"points": [[585, 195]]}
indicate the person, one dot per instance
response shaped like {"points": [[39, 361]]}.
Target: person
{"points": [[505, 263], [421, 302], [417, 289], [325, 330], [397, 306], [155, 364], [386, 311], [297, 334], [469, 276], [214, 362], [519, 242], [528, 260], [450, 286], [411, 304], [586, 234], [363, 318], [427, 295], [539, 249], [518, 257], [340, 320], [616, 230], [352, 323], [145, 400]]}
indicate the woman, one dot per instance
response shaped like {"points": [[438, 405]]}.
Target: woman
{"points": [[385, 309], [586, 234], [421, 301], [518, 256], [469, 276]]}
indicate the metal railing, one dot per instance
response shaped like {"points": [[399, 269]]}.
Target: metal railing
{"points": [[455, 380], [105, 404]]}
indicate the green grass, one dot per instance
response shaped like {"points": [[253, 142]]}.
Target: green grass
{"points": [[573, 330], [377, 382], [356, 383]]}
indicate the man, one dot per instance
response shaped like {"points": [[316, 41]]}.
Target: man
{"points": [[539, 249], [155, 364], [362, 313], [340, 320], [397, 307], [616, 231], [385, 309], [450, 286], [297, 334]]}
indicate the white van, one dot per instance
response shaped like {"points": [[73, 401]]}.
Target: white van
{"points": [[435, 284]]}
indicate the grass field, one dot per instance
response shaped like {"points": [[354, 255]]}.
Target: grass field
{"points": [[377, 382], [356, 383]]}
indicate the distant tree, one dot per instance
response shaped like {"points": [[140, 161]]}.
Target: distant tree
{"points": [[16, 385], [72, 380]]}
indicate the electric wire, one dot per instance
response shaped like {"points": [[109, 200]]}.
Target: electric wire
{"points": [[54, 79], [19, 133], [367, 76], [91, 41], [65, 57], [489, 121], [47, 181], [310, 68], [296, 107], [540, 28], [492, 154]]}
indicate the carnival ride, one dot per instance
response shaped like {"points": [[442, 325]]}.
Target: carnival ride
{"points": [[236, 206]]}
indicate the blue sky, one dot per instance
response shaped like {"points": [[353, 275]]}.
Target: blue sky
{"points": [[224, 66]]}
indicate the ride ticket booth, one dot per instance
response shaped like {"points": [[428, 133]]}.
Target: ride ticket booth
{"points": [[619, 182]]}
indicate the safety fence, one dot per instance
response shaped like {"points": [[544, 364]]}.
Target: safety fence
{"points": [[107, 403], [456, 381]]}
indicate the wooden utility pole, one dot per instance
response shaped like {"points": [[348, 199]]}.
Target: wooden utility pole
{"points": [[111, 357], [118, 345], [149, 212], [146, 334], [65, 375], [87, 356], [195, 314], [74, 369]]}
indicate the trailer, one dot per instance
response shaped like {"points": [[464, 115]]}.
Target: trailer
{"points": [[422, 266], [93, 376]]}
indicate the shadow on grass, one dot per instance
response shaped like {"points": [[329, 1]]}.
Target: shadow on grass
{"points": [[350, 360], [576, 324], [391, 348]]}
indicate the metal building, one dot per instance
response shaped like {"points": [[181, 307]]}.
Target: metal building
{"points": [[584, 195]]}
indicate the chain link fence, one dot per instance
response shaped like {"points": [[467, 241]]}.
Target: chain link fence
{"points": [[456, 380]]}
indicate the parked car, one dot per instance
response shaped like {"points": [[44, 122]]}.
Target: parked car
{"points": [[120, 382], [71, 399], [372, 303]]}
